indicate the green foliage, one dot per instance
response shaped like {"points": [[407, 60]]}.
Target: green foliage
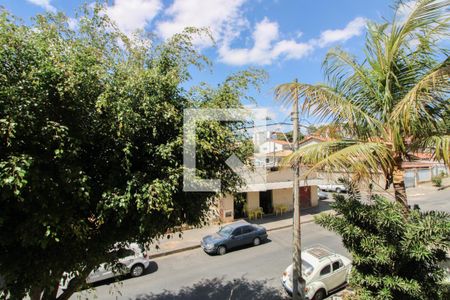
{"points": [[91, 134], [437, 181], [394, 257], [396, 96]]}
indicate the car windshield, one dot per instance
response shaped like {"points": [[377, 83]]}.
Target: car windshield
{"points": [[225, 231]]}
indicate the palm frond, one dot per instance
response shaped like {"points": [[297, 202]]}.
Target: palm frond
{"points": [[325, 103], [425, 13], [426, 94], [364, 160], [439, 145], [344, 70], [286, 93]]}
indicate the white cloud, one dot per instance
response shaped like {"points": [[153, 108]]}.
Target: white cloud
{"points": [[223, 18], [265, 49], [132, 15], [45, 4], [73, 23], [404, 9], [353, 28]]}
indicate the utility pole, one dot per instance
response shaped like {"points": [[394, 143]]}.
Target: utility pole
{"points": [[298, 283]]}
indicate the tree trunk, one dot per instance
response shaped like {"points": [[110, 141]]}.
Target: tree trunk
{"points": [[35, 293], [399, 184]]}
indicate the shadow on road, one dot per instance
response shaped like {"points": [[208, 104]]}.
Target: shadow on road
{"points": [[218, 289]]}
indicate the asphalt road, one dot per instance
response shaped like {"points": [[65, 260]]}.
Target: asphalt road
{"points": [[248, 273]]}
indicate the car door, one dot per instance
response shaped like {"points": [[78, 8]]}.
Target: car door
{"points": [[101, 273], [236, 238], [106, 271], [339, 273], [248, 234], [326, 277]]}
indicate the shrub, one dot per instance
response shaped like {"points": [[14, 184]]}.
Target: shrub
{"points": [[394, 256], [437, 181]]}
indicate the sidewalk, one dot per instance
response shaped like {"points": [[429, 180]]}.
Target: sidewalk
{"points": [[190, 239]]}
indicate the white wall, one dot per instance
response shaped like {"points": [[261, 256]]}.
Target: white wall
{"points": [[268, 147]]}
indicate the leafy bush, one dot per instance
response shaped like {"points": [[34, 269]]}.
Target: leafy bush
{"points": [[437, 181], [395, 256]]}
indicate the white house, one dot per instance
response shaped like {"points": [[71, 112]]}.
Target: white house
{"points": [[274, 146]]}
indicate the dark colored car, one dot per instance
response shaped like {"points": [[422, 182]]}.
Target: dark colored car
{"points": [[233, 235]]}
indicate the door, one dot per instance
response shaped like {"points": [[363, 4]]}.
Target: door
{"points": [[101, 273], [326, 277], [265, 201], [339, 273], [239, 202], [236, 238], [248, 234], [305, 196]]}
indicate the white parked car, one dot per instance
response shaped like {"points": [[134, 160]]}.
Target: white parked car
{"points": [[321, 195], [337, 188], [133, 260], [323, 271]]}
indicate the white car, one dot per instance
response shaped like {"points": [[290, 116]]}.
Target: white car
{"points": [[133, 260], [337, 188], [321, 195], [323, 271]]}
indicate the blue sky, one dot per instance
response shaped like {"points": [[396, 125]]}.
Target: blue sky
{"points": [[287, 38]]}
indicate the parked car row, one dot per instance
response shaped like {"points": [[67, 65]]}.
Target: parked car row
{"points": [[323, 270]]}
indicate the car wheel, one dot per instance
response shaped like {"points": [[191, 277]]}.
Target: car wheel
{"points": [[319, 295], [256, 241], [137, 270], [338, 190], [221, 250]]}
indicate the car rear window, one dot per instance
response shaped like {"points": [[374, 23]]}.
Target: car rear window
{"points": [[122, 253]]}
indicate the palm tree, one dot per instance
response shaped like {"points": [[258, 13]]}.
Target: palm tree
{"points": [[390, 104]]}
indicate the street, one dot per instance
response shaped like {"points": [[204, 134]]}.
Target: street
{"points": [[249, 273]]}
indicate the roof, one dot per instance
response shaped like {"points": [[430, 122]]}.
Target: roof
{"points": [[280, 142], [319, 252], [238, 224], [313, 137], [422, 155], [412, 165], [280, 153], [316, 253], [260, 187]]}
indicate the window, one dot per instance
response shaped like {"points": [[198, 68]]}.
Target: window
{"points": [[122, 253], [247, 229], [237, 231], [337, 265], [325, 270], [307, 268], [225, 231]]}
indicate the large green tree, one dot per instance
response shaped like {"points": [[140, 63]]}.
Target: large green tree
{"points": [[391, 103], [91, 136], [392, 259]]}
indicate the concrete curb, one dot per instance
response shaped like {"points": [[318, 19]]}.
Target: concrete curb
{"points": [[187, 248]]}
